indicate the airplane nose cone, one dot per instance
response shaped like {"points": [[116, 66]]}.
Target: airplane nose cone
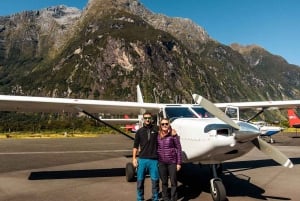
{"points": [[247, 132], [245, 136]]}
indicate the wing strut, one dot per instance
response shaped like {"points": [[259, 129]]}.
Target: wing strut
{"points": [[257, 114], [97, 119]]}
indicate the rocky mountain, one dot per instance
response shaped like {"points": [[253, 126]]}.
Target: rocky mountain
{"points": [[111, 46], [277, 76]]}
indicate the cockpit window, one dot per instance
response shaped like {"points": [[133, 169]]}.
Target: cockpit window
{"points": [[179, 112], [202, 112], [247, 126]]}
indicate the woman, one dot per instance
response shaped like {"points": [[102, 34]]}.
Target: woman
{"points": [[169, 158]]}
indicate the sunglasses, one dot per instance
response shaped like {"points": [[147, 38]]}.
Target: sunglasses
{"points": [[147, 118], [164, 124]]}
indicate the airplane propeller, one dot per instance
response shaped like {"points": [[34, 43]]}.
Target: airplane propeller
{"points": [[260, 144], [211, 108], [275, 154]]}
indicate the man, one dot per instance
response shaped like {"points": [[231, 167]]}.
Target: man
{"points": [[146, 143]]}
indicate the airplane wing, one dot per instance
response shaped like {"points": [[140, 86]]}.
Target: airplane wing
{"points": [[259, 105], [60, 105], [46, 104]]}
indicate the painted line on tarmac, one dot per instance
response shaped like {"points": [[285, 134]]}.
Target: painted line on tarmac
{"points": [[63, 152]]}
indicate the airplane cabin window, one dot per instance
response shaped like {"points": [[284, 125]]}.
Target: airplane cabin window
{"points": [[202, 112], [179, 112]]}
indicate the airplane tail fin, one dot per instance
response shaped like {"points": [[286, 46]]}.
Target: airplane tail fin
{"points": [[139, 96], [294, 120]]}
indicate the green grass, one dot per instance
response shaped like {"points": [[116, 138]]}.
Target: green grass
{"points": [[24, 135], [291, 130]]}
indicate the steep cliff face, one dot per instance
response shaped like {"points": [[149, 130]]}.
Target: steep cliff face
{"points": [[32, 33], [104, 51], [189, 33], [110, 55], [28, 39]]}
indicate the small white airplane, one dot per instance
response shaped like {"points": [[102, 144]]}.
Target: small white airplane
{"points": [[210, 140], [267, 130]]}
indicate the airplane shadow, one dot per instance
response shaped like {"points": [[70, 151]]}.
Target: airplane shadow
{"points": [[71, 174], [194, 179]]}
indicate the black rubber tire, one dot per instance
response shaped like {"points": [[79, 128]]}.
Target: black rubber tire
{"points": [[130, 172], [220, 191]]}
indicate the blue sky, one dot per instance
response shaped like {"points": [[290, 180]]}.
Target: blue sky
{"points": [[271, 24]]}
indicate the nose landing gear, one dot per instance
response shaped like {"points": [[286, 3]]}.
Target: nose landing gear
{"points": [[217, 189]]}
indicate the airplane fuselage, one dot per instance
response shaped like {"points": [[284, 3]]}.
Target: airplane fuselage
{"points": [[208, 140]]}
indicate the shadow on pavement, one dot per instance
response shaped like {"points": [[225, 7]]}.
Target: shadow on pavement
{"points": [[71, 174], [195, 179]]}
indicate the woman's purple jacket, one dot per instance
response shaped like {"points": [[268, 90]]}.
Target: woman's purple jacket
{"points": [[169, 149]]}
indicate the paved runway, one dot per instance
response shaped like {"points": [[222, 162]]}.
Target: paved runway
{"points": [[88, 169]]}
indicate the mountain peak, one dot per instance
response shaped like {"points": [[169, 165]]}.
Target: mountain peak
{"points": [[96, 7], [62, 14], [245, 48], [181, 28]]}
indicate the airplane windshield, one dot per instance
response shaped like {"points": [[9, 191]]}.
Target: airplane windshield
{"points": [[247, 126], [179, 112]]}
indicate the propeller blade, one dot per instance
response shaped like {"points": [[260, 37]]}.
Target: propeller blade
{"points": [[210, 107], [271, 151]]}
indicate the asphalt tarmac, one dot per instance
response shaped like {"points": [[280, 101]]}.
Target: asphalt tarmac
{"points": [[88, 169]]}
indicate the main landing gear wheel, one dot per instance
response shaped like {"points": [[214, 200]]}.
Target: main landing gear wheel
{"points": [[217, 189], [130, 172]]}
